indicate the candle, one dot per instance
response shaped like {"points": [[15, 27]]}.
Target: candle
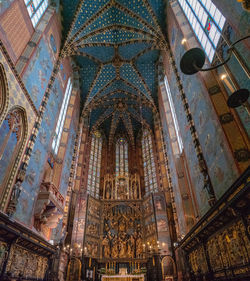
{"points": [[227, 83]]}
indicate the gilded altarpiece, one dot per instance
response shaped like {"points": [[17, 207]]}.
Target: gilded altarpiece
{"points": [[228, 252], [92, 230], [119, 229], [122, 231], [149, 221]]}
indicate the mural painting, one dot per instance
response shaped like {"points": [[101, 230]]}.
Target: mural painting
{"points": [[37, 74], [219, 159], [34, 175]]}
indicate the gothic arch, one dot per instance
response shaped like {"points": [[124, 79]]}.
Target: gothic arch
{"points": [[168, 266], [4, 94], [14, 131]]}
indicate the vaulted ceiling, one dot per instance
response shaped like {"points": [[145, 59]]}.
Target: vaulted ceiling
{"points": [[116, 46]]}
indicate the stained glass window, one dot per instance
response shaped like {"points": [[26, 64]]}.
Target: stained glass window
{"points": [[148, 163], [95, 165], [173, 113], [36, 9], [121, 157], [206, 21], [61, 118]]}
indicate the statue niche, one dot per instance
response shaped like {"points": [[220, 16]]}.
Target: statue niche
{"points": [[122, 187]]}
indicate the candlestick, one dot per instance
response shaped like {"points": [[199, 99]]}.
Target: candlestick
{"points": [[227, 83]]}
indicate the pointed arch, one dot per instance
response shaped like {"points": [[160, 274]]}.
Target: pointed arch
{"points": [[148, 162], [121, 158], [94, 172], [13, 136], [4, 94]]}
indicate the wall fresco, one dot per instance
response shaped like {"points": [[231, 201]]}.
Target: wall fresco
{"points": [[219, 160], [6, 155], [68, 156], [16, 96], [37, 74], [31, 184], [174, 178]]}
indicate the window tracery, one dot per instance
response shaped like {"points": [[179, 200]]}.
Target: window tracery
{"points": [[95, 165], [121, 166], [61, 118], [206, 21], [148, 163], [36, 9]]}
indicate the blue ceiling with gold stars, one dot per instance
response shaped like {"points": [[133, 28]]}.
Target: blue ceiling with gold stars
{"points": [[116, 45]]}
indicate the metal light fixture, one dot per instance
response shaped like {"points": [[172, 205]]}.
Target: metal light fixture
{"points": [[193, 61]]}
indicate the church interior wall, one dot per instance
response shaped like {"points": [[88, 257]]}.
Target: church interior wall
{"points": [[220, 162], [178, 220], [183, 226], [16, 97]]}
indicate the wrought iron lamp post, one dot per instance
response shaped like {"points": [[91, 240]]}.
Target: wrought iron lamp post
{"points": [[193, 61]]}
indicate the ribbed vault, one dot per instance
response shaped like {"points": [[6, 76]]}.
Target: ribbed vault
{"points": [[116, 45]]}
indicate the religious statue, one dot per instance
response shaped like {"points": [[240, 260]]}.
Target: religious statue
{"points": [[139, 248], [130, 251], [108, 191], [115, 250], [122, 194], [16, 191], [134, 189], [122, 244], [106, 248]]}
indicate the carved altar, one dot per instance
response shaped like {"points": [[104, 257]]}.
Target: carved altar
{"points": [[122, 187], [122, 231], [120, 224]]}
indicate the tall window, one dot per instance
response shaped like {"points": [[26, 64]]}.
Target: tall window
{"points": [[61, 119], [121, 166], [148, 163], [95, 165], [206, 21], [36, 9], [173, 113]]}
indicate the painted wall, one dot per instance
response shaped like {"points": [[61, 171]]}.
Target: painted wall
{"points": [[173, 173], [15, 97], [31, 184], [219, 161], [38, 72]]}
